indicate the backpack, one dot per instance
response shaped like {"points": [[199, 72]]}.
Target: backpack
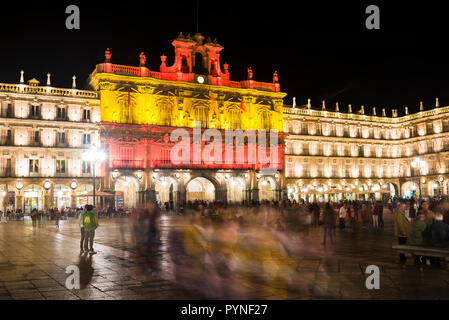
{"points": [[89, 221]]}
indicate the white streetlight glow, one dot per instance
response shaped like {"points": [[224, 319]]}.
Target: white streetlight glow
{"points": [[93, 155]]}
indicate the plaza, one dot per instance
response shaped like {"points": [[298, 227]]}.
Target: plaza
{"points": [[33, 262]]}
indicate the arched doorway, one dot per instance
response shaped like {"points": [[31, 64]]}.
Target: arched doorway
{"points": [[267, 188], [166, 190], [62, 196], [33, 196], [236, 187], [81, 190], [434, 188], [410, 189], [126, 188], [200, 189]]}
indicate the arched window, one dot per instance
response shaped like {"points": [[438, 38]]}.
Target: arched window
{"points": [[201, 115], [235, 119], [164, 113], [199, 64], [184, 65], [265, 120]]}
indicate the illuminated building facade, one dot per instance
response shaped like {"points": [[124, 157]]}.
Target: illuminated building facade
{"points": [[334, 155], [43, 132], [141, 108], [132, 112]]}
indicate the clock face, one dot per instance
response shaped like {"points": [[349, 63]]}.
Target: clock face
{"points": [[200, 79], [73, 185]]}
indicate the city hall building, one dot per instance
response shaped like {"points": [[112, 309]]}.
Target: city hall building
{"points": [[132, 113]]}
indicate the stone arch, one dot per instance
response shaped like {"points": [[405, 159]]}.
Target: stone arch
{"points": [[167, 189], [267, 188], [126, 191], [235, 189], [409, 189], [219, 192]]}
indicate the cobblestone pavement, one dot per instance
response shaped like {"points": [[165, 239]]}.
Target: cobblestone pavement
{"points": [[33, 262]]}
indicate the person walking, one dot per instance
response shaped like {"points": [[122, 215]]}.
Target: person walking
{"points": [[90, 224], [402, 229], [34, 217], [342, 216], [376, 216], [329, 223], [81, 225]]}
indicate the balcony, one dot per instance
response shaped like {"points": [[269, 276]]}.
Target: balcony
{"points": [[128, 164]]}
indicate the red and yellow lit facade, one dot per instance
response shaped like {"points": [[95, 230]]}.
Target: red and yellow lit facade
{"points": [[140, 108]]}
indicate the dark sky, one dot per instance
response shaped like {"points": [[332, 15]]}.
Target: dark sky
{"points": [[321, 50]]}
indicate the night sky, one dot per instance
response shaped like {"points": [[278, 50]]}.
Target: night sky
{"points": [[321, 50]]}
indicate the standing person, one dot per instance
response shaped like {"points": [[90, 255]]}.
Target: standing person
{"points": [[380, 214], [90, 224], [81, 225], [402, 229], [57, 217], [416, 237], [328, 222], [342, 216], [376, 216], [445, 211], [430, 215], [34, 217]]}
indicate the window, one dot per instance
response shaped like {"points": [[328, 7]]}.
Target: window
{"points": [[86, 115], [86, 138], [201, 115], [61, 113], [34, 111], [266, 120], [36, 136], [61, 137], [235, 117], [9, 112], [34, 165], [85, 168], [60, 166]]}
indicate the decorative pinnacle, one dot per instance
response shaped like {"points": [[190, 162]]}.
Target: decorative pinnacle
{"points": [[374, 111], [406, 111], [349, 108], [323, 107], [48, 79], [308, 104], [384, 114], [421, 106], [337, 109], [21, 76], [74, 82], [437, 103], [107, 56]]}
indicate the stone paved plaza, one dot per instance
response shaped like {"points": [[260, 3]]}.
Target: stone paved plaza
{"points": [[33, 262]]}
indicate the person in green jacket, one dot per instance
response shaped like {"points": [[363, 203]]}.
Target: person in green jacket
{"points": [[402, 229], [90, 223]]}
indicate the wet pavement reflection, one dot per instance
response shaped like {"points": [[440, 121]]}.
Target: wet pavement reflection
{"points": [[244, 253]]}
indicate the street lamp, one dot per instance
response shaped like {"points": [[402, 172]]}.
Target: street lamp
{"points": [[93, 155], [418, 164]]}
